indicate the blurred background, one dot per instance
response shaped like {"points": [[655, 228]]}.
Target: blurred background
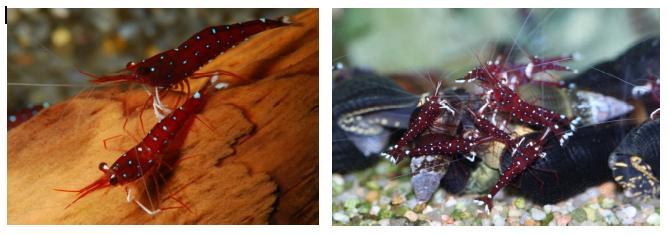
{"points": [[450, 40], [46, 47]]}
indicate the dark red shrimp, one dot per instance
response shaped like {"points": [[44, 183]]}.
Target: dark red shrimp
{"points": [[428, 113], [446, 145], [524, 156], [485, 126], [16, 118], [171, 68], [501, 98], [504, 99], [145, 157], [513, 76]]}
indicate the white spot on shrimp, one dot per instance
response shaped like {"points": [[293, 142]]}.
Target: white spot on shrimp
{"points": [[213, 30], [129, 162], [184, 62], [262, 20], [197, 37], [197, 95], [139, 149], [174, 118], [164, 128]]}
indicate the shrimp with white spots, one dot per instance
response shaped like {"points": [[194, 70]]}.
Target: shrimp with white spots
{"points": [[169, 69], [145, 158]]}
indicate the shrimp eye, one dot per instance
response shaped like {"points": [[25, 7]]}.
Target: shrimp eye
{"points": [[130, 65], [103, 166], [113, 180]]}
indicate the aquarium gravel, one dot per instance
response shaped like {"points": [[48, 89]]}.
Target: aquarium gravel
{"points": [[382, 195]]}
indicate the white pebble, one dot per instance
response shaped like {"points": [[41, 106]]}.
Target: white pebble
{"points": [[384, 222], [340, 217], [653, 219], [514, 212], [630, 211], [412, 216], [537, 214], [497, 220], [451, 202], [374, 210]]}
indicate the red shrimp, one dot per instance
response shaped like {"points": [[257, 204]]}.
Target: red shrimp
{"points": [[513, 76], [505, 100], [172, 67], [488, 128], [428, 113], [169, 69], [501, 98], [523, 157], [445, 145], [145, 157]]}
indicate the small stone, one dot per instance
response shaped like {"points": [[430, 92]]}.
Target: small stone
{"points": [[548, 208], [351, 203], [626, 215], [590, 213], [340, 217], [399, 222], [372, 196], [519, 202], [630, 211], [427, 209], [451, 202], [562, 220], [497, 220], [530, 222], [608, 189], [579, 215], [372, 185], [609, 217], [486, 222], [513, 212], [653, 219], [447, 219], [384, 201], [384, 222], [607, 203], [398, 199], [412, 216], [537, 214], [374, 210], [435, 223]]}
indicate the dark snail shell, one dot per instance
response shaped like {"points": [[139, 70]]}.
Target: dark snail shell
{"points": [[636, 161], [632, 66], [361, 108], [458, 174], [569, 170]]}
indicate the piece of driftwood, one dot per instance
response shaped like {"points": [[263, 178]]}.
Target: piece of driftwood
{"points": [[252, 159]]}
